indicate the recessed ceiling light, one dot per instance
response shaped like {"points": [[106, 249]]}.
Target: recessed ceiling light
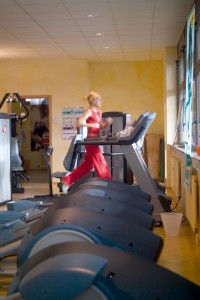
{"points": [[99, 33], [91, 16], [106, 47]]}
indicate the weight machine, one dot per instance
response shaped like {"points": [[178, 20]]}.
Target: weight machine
{"points": [[16, 161], [5, 161]]}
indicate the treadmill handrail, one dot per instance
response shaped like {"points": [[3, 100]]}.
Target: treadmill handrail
{"points": [[140, 128]]}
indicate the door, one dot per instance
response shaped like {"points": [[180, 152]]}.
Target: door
{"points": [[33, 137]]}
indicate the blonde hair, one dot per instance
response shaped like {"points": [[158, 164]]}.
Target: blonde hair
{"points": [[92, 96]]}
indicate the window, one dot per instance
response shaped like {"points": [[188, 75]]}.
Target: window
{"points": [[197, 80], [181, 118], [181, 75], [181, 85]]}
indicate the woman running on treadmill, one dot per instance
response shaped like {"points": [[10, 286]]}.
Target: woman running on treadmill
{"points": [[93, 158]]}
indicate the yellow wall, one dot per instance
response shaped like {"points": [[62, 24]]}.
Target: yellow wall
{"points": [[65, 81], [132, 87]]}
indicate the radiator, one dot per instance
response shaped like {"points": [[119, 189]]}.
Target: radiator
{"points": [[191, 203], [176, 177]]}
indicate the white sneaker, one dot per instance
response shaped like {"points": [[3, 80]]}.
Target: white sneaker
{"points": [[65, 188]]}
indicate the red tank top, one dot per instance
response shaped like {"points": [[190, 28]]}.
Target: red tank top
{"points": [[96, 117]]}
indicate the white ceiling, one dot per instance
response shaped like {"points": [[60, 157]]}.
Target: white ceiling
{"points": [[131, 29]]}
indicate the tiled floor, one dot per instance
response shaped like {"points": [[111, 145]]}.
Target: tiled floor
{"points": [[37, 176]]}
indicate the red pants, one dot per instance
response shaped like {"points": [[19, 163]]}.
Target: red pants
{"points": [[93, 159]]}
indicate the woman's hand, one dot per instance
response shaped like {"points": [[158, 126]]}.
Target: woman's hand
{"points": [[109, 121]]}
